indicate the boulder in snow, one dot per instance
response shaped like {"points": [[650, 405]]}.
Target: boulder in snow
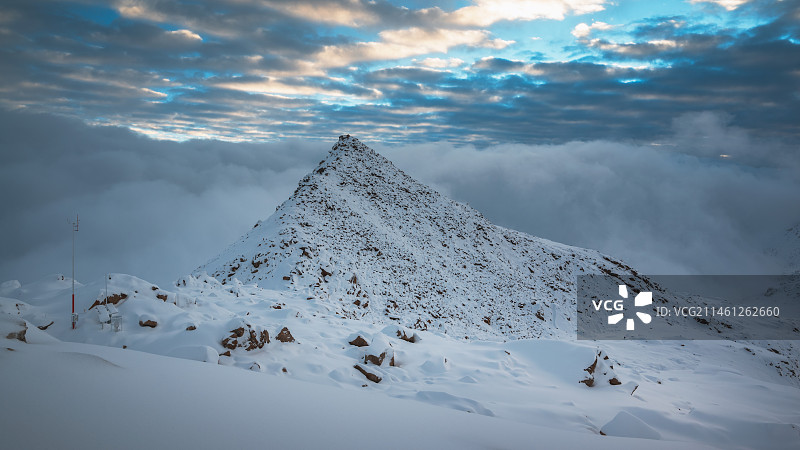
{"points": [[285, 335]]}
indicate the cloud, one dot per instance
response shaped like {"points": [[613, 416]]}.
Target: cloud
{"points": [[676, 207], [154, 209], [583, 30], [441, 63], [351, 13], [730, 5], [261, 73], [487, 12], [298, 87], [159, 209], [398, 44], [186, 34]]}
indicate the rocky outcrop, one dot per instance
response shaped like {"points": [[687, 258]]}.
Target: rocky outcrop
{"points": [[246, 337]]}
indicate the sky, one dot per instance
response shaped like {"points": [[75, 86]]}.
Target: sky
{"points": [[661, 132], [481, 72]]}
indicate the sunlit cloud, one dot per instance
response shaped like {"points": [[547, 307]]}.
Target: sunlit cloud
{"points": [[186, 34], [583, 30], [441, 63], [487, 12], [398, 44], [268, 85], [351, 13], [730, 5]]}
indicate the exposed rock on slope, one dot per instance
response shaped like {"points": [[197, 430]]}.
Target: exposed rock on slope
{"points": [[377, 245]]}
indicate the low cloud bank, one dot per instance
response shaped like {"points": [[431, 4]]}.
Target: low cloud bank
{"points": [[159, 209]]}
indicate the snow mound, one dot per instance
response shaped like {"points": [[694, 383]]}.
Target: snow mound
{"points": [[625, 424], [202, 353]]}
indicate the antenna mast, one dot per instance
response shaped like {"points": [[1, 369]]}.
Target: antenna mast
{"points": [[74, 230]]}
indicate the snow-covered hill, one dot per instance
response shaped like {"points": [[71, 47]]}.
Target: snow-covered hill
{"points": [[375, 244], [355, 377]]}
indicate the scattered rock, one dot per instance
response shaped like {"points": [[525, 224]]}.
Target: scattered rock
{"points": [[377, 360], [284, 370], [359, 342], [249, 339], [225, 353], [402, 335], [370, 376], [285, 335], [44, 327], [113, 299], [19, 335], [162, 297], [592, 368], [148, 323], [600, 372], [191, 328]]}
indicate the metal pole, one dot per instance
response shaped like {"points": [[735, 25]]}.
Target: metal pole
{"points": [[74, 230]]}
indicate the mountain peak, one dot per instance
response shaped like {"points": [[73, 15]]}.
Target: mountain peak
{"points": [[372, 243], [347, 142]]}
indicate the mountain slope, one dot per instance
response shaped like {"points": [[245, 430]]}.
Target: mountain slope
{"points": [[378, 245]]}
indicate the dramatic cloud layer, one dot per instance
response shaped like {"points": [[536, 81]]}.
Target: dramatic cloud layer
{"points": [[484, 72], [160, 209]]}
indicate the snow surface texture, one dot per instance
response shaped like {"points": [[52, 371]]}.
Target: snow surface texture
{"points": [[434, 390], [375, 244]]}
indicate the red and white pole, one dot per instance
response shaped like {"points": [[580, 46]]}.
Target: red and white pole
{"points": [[74, 230]]}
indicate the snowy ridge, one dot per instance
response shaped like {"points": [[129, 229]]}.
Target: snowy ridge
{"points": [[377, 245]]}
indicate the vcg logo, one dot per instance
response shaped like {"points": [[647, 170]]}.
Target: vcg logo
{"points": [[641, 299]]}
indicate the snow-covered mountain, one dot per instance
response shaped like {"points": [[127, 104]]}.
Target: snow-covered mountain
{"points": [[355, 298], [376, 244]]}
